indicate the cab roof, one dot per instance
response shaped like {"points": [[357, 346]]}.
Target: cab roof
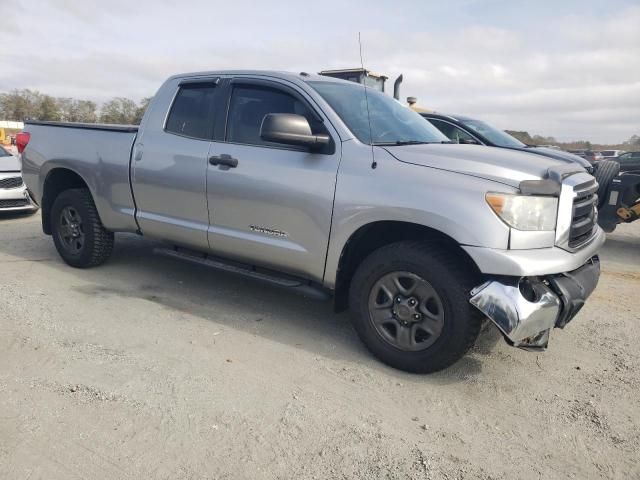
{"points": [[291, 76]]}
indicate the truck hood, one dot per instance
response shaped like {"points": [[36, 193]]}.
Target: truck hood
{"points": [[9, 164], [509, 167]]}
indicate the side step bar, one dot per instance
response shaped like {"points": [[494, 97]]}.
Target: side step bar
{"points": [[297, 285]]}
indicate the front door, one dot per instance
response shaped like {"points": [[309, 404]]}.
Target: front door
{"points": [[271, 204]]}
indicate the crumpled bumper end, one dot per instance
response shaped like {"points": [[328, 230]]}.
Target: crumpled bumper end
{"points": [[526, 309]]}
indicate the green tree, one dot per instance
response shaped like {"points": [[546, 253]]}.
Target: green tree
{"points": [[19, 105], [85, 111], [65, 108], [72, 110], [633, 142], [48, 109], [119, 110], [142, 107]]}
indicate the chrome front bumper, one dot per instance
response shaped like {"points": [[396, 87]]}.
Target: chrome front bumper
{"points": [[525, 309]]}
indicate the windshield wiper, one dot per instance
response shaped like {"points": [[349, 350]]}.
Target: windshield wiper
{"points": [[400, 142]]}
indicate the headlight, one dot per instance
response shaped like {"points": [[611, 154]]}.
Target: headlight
{"points": [[525, 212]]}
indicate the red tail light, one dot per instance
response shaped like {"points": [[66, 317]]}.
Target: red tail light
{"points": [[22, 139]]}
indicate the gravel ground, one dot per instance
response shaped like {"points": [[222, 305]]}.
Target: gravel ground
{"points": [[150, 368]]}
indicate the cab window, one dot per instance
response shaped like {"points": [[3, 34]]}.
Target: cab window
{"points": [[191, 114], [251, 103]]}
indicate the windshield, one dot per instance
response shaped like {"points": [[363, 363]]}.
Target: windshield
{"points": [[391, 122], [495, 136], [4, 153]]}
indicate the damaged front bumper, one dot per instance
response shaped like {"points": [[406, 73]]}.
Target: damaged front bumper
{"points": [[526, 309]]}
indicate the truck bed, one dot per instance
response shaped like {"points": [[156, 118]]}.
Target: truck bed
{"points": [[100, 154]]}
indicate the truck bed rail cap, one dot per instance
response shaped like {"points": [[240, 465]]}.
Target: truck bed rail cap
{"points": [[87, 126]]}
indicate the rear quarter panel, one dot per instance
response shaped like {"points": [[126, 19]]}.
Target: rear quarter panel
{"points": [[100, 157]]}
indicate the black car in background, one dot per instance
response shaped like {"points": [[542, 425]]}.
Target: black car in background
{"points": [[463, 129], [618, 178], [629, 161]]}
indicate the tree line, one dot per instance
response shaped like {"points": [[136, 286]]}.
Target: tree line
{"points": [[25, 104], [632, 143], [20, 105]]}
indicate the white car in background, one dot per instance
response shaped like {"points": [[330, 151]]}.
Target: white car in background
{"points": [[610, 154], [14, 196]]}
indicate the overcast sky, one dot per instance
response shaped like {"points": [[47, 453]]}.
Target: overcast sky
{"points": [[567, 68]]}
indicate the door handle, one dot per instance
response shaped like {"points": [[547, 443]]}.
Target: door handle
{"points": [[224, 159], [138, 155]]}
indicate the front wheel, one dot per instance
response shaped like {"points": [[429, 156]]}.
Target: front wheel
{"points": [[78, 234], [410, 306]]}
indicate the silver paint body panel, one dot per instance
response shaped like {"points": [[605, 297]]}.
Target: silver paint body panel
{"points": [[533, 262], [99, 157], [517, 317], [168, 177], [318, 201]]}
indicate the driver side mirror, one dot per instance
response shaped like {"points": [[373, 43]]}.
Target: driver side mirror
{"points": [[291, 129]]}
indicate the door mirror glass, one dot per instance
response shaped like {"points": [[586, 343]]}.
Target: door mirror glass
{"points": [[291, 129]]}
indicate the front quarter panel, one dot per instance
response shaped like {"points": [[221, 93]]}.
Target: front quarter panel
{"points": [[451, 203]]}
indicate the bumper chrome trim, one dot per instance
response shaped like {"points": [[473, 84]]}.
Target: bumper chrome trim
{"points": [[518, 318], [526, 309]]}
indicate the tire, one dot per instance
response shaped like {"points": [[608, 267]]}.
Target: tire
{"points": [[458, 323], [606, 171], [97, 243]]}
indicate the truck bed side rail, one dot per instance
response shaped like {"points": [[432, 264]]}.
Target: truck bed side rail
{"points": [[86, 126]]}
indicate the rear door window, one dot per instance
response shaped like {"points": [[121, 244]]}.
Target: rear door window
{"points": [[191, 114]]}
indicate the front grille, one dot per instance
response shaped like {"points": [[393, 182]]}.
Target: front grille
{"points": [[11, 182], [23, 202], [584, 217]]}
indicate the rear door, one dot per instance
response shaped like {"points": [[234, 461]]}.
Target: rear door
{"points": [[170, 165], [274, 207]]}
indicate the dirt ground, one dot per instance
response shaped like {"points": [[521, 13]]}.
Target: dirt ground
{"points": [[150, 368]]}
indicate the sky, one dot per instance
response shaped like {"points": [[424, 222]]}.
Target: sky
{"points": [[563, 68]]}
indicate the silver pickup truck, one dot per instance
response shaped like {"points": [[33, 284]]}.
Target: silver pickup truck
{"points": [[330, 189]]}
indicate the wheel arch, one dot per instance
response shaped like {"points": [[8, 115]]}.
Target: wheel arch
{"points": [[375, 235], [57, 180]]}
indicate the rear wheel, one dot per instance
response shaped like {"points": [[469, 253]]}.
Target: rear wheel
{"points": [[410, 305], [78, 234]]}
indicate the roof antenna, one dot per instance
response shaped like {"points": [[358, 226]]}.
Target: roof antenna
{"points": [[374, 164]]}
